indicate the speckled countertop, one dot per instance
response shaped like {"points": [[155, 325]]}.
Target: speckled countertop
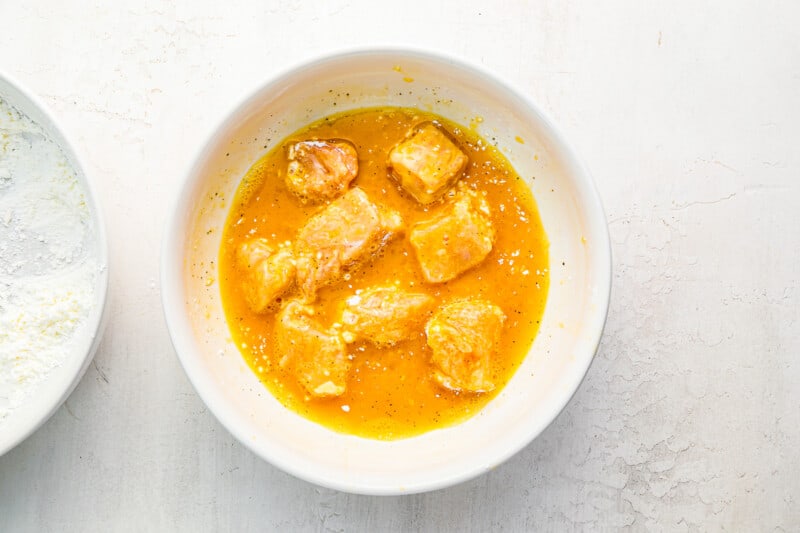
{"points": [[686, 112]]}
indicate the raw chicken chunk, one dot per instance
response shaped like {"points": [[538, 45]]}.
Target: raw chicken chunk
{"points": [[455, 240], [348, 231], [269, 272], [316, 355], [463, 335], [427, 163], [384, 315], [319, 171]]}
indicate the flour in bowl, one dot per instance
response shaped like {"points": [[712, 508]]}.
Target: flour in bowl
{"points": [[48, 264]]}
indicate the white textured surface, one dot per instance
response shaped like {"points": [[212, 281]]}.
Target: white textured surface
{"points": [[688, 115]]}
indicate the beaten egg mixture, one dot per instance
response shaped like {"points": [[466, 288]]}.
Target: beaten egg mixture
{"points": [[383, 272]]}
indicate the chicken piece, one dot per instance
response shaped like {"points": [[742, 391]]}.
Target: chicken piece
{"points": [[454, 241], [321, 170], [268, 272], [316, 355], [463, 335], [427, 163], [350, 230], [384, 315]]}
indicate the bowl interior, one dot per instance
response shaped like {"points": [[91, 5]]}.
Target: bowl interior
{"points": [[573, 318], [60, 381]]}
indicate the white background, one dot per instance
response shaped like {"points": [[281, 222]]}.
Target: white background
{"points": [[688, 114]]}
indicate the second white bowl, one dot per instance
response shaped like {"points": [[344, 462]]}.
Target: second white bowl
{"points": [[48, 394]]}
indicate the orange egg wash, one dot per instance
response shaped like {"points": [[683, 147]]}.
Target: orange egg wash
{"points": [[390, 393]]}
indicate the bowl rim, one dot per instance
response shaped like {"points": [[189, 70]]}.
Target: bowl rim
{"points": [[172, 272], [55, 129]]}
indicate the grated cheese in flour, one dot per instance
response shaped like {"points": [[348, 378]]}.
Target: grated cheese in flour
{"points": [[48, 265]]}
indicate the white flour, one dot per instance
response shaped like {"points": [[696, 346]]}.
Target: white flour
{"points": [[48, 265]]}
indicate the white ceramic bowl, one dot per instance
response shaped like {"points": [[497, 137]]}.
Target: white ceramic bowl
{"points": [[573, 320], [60, 381]]}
